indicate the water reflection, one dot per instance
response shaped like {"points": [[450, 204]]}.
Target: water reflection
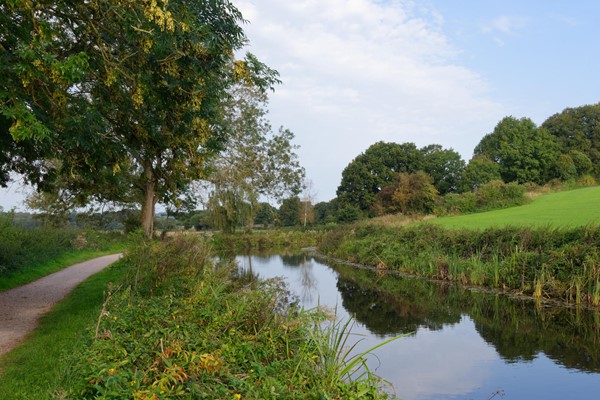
{"points": [[518, 330], [463, 344]]}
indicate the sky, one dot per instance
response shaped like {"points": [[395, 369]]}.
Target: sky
{"points": [[355, 72]]}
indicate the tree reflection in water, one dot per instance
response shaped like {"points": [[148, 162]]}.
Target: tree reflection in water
{"points": [[518, 330]]}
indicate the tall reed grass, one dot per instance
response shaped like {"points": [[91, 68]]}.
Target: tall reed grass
{"points": [[549, 262]]}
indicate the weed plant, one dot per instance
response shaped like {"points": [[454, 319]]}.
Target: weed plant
{"points": [[182, 327]]}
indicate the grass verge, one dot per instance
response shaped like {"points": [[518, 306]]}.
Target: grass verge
{"points": [[34, 369]]}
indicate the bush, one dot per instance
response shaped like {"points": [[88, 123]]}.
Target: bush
{"points": [[490, 196]]}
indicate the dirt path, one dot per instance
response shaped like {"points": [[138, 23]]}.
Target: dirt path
{"points": [[21, 307]]}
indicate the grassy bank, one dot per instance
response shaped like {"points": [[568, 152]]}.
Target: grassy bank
{"points": [[180, 327], [572, 208], [546, 263]]}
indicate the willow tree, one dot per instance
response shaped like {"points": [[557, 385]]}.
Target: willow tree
{"points": [[140, 117], [256, 161]]}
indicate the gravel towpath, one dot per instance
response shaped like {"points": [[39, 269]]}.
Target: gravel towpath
{"points": [[21, 307]]}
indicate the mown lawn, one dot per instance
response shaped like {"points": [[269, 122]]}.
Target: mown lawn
{"points": [[579, 207]]}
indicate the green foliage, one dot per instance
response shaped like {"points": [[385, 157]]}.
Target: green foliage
{"points": [[489, 196], [565, 168], [377, 166], [289, 211], [255, 162], [349, 213], [266, 239], [479, 171], [524, 152], [578, 129], [126, 95], [23, 249], [445, 167], [190, 331], [266, 215], [409, 194], [339, 362], [325, 212]]}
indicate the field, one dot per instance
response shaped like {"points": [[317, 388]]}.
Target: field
{"points": [[579, 207]]}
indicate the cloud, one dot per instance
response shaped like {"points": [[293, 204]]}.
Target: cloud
{"points": [[507, 25], [358, 71]]}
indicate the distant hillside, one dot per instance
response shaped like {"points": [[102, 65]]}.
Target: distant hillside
{"points": [[570, 208]]}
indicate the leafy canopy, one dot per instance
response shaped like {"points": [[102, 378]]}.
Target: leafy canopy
{"points": [[126, 95]]}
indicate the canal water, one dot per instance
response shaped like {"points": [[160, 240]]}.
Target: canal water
{"points": [[459, 344]]}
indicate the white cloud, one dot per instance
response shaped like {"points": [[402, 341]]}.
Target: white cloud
{"points": [[508, 25], [358, 71]]}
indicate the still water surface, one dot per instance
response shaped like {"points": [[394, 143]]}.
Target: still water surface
{"points": [[460, 344]]}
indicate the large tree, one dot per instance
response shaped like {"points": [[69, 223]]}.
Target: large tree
{"points": [[444, 166], [524, 152], [126, 95], [379, 165], [578, 129], [368, 173], [479, 171], [255, 162]]}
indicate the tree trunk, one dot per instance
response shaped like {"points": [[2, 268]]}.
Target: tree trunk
{"points": [[147, 217]]}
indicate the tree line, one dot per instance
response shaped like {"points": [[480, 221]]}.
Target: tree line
{"points": [[402, 178]]}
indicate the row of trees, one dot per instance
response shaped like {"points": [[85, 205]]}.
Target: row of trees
{"points": [[401, 178], [129, 101]]}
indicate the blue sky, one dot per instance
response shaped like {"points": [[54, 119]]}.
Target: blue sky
{"points": [[356, 72]]}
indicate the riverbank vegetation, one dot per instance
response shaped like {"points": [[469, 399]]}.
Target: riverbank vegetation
{"points": [[182, 327], [266, 239], [545, 263]]}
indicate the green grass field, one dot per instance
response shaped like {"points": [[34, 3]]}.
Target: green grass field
{"points": [[579, 207]]}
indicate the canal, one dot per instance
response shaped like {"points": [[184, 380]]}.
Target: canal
{"points": [[459, 344]]}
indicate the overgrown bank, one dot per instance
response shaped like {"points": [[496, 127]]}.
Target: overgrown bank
{"points": [[546, 263], [181, 327], [267, 239]]}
